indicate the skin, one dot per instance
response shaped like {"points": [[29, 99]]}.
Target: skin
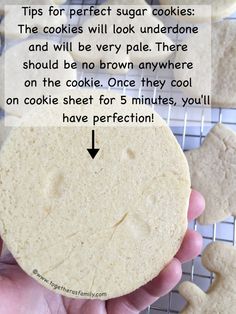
{"points": [[20, 294]]}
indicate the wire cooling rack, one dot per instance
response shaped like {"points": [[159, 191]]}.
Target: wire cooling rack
{"points": [[189, 137]]}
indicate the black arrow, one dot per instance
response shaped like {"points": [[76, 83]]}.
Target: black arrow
{"points": [[93, 151]]}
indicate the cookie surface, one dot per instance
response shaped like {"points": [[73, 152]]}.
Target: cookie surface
{"points": [[107, 225], [223, 68], [213, 173], [221, 297], [220, 8], [14, 57]]}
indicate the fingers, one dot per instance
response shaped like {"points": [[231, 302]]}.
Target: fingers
{"points": [[191, 246], [93, 307], [146, 295], [5, 255], [1, 246], [192, 243], [165, 281], [7, 258], [196, 205]]}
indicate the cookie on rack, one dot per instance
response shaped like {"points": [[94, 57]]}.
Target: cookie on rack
{"points": [[223, 65], [219, 258], [219, 9], [15, 75], [213, 173], [118, 62], [117, 220]]}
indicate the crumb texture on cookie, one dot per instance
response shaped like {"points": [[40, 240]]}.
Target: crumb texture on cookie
{"points": [[221, 296]]}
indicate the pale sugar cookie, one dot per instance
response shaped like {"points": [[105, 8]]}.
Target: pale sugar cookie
{"points": [[94, 228]]}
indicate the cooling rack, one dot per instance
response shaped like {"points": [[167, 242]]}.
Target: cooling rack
{"points": [[189, 136]]}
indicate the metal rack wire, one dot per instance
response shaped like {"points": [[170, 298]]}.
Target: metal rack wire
{"points": [[188, 137]]}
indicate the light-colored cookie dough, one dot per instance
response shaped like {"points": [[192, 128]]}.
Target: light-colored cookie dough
{"points": [[107, 225], [213, 173], [15, 76], [221, 297], [5, 130], [121, 39], [223, 69], [219, 10]]}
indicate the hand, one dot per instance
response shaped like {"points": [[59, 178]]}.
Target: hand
{"points": [[20, 294]]}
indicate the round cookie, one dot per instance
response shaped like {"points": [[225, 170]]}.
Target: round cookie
{"points": [[104, 226], [15, 56], [223, 69], [220, 8]]}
